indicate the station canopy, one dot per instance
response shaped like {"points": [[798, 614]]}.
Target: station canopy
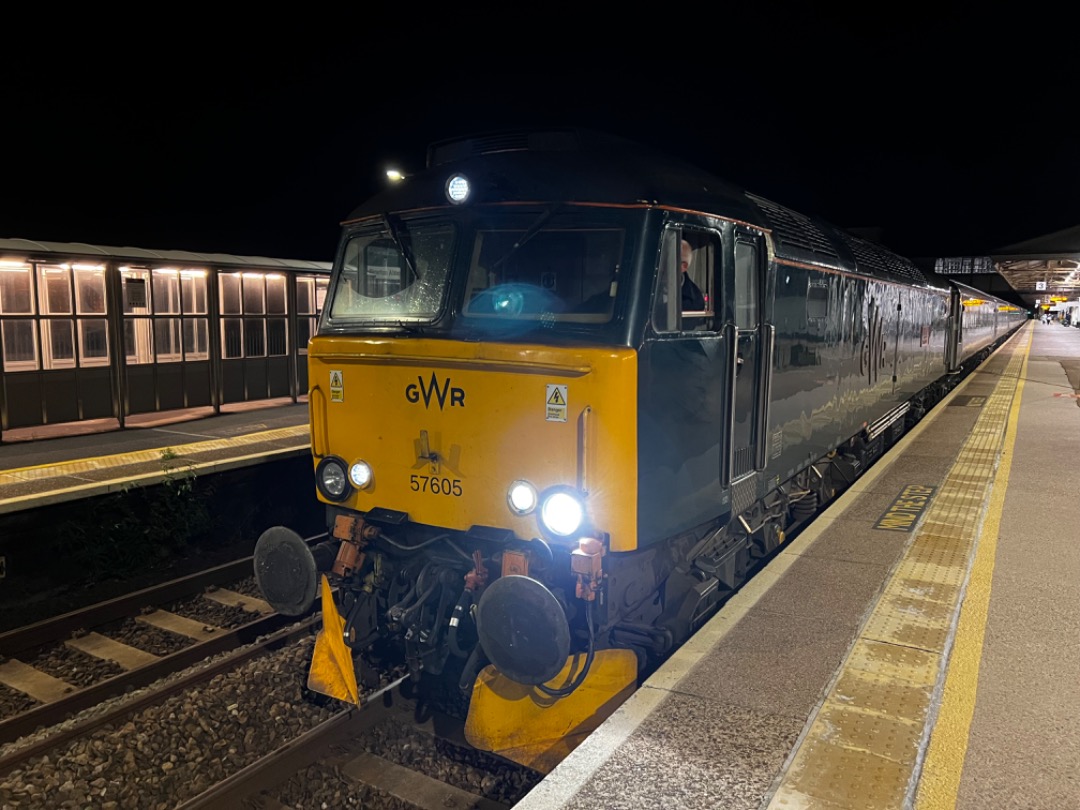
{"points": [[1044, 270]]}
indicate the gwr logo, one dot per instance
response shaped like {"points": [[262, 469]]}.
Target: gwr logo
{"points": [[414, 392], [872, 356]]}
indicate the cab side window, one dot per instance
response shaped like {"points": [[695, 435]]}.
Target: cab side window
{"points": [[687, 294]]}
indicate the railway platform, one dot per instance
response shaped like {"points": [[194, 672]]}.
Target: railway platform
{"points": [[47, 465], [915, 647]]}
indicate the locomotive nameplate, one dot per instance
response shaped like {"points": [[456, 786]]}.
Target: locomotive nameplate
{"points": [[906, 510]]}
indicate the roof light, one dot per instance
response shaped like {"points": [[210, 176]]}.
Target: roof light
{"points": [[457, 189]]}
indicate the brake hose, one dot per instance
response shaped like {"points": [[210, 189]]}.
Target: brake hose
{"points": [[461, 610], [566, 690]]}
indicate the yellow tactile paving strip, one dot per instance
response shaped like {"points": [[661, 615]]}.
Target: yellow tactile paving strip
{"points": [[865, 744], [943, 763], [183, 452]]}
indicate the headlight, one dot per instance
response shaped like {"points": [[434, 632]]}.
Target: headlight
{"points": [[522, 497], [562, 512], [360, 474], [332, 480], [457, 189]]}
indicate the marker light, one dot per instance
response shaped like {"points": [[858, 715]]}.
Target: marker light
{"points": [[332, 480], [562, 513], [457, 189], [360, 474], [522, 497]]}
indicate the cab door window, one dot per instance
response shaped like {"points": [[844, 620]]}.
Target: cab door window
{"points": [[746, 286], [687, 297]]}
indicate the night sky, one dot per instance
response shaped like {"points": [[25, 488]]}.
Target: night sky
{"points": [[950, 134]]}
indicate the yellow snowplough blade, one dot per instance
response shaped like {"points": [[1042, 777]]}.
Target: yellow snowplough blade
{"points": [[520, 723], [332, 671]]}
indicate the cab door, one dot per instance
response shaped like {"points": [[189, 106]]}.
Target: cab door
{"points": [[751, 343], [683, 384]]}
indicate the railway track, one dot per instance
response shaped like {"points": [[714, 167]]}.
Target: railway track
{"points": [[225, 720], [379, 756], [62, 665]]}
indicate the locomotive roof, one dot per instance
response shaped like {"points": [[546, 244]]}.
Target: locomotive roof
{"points": [[582, 165], [570, 165]]}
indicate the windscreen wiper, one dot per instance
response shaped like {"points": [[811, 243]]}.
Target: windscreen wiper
{"points": [[529, 233], [406, 254]]}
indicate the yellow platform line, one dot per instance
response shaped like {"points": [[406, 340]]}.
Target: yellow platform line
{"points": [[865, 743], [157, 455]]}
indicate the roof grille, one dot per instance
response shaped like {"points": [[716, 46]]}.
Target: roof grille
{"points": [[873, 259], [547, 141], [797, 231]]}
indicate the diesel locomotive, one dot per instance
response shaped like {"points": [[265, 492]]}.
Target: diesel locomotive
{"points": [[544, 466]]}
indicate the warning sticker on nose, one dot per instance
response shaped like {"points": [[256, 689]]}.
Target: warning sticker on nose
{"points": [[556, 403]]}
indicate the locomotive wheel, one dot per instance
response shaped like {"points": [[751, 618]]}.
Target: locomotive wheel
{"points": [[523, 629]]}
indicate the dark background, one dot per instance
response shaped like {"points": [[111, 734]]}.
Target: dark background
{"points": [[949, 132]]}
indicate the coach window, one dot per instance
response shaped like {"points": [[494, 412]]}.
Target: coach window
{"points": [[55, 298], [686, 297], [90, 300], [18, 333]]}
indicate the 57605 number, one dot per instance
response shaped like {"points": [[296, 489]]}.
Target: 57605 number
{"points": [[435, 485]]}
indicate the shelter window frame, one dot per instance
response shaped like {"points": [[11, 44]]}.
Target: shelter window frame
{"points": [[18, 333], [194, 305], [57, 343], [257, 303], [56, 298], [93, 342], [93, 332], [90, 289], [310, 297], [138, 325]]}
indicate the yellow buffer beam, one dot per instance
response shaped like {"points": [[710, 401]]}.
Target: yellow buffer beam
{"points": [[521, 723]]}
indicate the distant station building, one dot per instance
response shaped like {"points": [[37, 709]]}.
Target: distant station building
{"points": [[90, 332]]}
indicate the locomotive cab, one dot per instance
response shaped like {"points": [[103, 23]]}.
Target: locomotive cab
{"points": [[473, 423]]}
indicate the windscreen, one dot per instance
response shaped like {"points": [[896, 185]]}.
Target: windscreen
{"points": [[395, 274], [556, 274], [503, 270]]}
